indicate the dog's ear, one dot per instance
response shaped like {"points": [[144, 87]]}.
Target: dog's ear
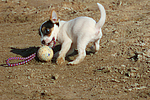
{"points": [[53, 16]]}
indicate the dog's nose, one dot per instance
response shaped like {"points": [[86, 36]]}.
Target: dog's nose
{"points": [[43, 42]]}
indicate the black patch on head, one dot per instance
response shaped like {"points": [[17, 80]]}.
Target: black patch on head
{"points": [[46, 27], [48, 24]]}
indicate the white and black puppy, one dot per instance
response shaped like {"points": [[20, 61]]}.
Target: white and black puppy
{"points": [[73, 34]]}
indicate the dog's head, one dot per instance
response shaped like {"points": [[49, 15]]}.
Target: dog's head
{"points": [[49, 29]]}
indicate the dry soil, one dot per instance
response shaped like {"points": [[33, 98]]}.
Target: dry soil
{"points": [[120, 70]]}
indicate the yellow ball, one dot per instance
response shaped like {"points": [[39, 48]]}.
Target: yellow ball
{"points": [[45, 53]]}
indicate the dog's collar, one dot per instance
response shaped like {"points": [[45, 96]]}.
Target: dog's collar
{"points": [[53, 40]]}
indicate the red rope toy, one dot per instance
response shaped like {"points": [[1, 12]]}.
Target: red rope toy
{"points": [[26, 59]]}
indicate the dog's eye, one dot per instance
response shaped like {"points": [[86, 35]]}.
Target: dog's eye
{"points": [[47, 31]]}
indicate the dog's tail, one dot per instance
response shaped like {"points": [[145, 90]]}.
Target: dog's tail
{"points": [[101, 22]]}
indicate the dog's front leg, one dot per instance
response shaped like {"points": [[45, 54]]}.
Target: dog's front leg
{"points": [[81, 56], [81, 52], [64, 49]]}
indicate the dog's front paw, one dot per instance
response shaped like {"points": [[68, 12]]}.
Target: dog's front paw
{"points": [[60, 60]]}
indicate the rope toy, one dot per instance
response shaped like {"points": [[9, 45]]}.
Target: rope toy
{"points": [[26, 59]]}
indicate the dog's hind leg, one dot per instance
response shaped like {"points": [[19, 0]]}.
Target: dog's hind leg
{"points": [[95, 47]]}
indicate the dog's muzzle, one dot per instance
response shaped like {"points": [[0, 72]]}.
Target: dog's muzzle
{"points": [[53, 42]]}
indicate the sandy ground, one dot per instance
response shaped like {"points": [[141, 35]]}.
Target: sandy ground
{"points": [[120, 70]]}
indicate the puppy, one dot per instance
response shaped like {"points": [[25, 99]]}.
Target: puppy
{"points": [[73, 34]]}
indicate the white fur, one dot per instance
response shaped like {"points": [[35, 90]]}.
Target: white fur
{"points": [[77, 33]]}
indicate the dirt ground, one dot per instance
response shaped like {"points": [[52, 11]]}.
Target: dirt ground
{"points": [[120, 70]]}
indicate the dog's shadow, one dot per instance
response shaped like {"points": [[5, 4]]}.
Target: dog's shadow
{"points": [[25, 52], [58, 48]]}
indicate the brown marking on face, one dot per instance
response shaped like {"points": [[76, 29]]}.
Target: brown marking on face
{"points": [[43, 29]]}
